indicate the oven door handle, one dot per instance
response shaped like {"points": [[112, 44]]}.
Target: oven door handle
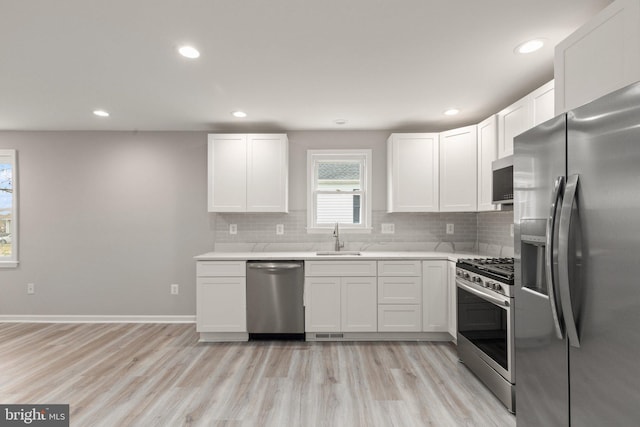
{"points": [[556, 202], [480, 294]]}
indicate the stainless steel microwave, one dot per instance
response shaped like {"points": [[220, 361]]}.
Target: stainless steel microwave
{"points": [[502, 191]]}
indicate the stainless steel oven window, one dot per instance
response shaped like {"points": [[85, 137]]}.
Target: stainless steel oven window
{"points": [[501, 307], [485, 325]]}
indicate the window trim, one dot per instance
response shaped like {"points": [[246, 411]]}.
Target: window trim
{"points": [[365, 199], [12, 261]]}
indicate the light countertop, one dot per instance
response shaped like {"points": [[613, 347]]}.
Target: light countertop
{"points": [[313, 256]]}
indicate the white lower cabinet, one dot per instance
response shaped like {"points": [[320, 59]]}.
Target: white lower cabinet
{"points": [[399, 318], [399, 296], [358, 304], [399, 290], [453, 299], [435, 296], [342, 302], [322, 304], [221, 298]]}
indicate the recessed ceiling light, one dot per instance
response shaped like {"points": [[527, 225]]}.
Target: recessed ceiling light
{"points": [[451, 112], [340, 121], [101, 113], [189, 52], [529, 46], [239, 114]]}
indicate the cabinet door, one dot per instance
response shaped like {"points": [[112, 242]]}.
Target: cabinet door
{"points": [[458, 170], [412, 172], [512, 121], [487, 153], [267, 173], [322, 304], [359, 304], [221, 304], [453, 303], [601, 56], [227, 180], [435, 296], [542, 103]]}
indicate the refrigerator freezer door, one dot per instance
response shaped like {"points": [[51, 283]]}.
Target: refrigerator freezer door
{"points": [[542, 389], [604, 149]]}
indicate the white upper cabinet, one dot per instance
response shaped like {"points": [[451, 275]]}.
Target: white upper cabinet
{"points": [[248, 173], [542, 103], [522, 115], [227, 173], [600, 57], [458, 170], [512, 121], [412, 172], [487, 153], [267, 173]]}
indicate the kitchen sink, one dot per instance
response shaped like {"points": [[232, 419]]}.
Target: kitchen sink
{"points": [[334, 253]]}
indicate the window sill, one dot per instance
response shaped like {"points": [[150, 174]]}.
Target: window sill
{"points": [[343, 230], [8, 264]]}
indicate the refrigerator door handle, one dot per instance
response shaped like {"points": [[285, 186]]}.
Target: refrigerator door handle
{"points": [[563, 259], [556, 197]]}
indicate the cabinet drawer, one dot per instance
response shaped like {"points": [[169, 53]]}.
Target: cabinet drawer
{"points": [[399, 318], [221, 268], [399, 268], [340, 268], [399, 290]]}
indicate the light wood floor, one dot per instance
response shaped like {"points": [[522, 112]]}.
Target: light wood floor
{"points": [[159, 375]]}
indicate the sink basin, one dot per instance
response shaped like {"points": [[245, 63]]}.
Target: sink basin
{"points": [[334, 253]]}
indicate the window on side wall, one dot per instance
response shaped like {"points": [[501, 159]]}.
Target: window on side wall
{"points": [[339, 190], [8, 209]]}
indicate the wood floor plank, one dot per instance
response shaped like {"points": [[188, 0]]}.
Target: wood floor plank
{"points": [[160, 375]]}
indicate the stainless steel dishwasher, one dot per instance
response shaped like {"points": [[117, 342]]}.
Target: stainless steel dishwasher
{"points": [[275, 308]]}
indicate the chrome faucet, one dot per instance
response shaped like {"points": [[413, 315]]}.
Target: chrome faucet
{"points": [[336, 234]]}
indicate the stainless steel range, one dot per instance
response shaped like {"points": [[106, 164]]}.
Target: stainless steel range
{"points": [[485, 323]]}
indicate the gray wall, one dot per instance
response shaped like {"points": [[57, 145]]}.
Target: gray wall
{"points": [[108, 220]]}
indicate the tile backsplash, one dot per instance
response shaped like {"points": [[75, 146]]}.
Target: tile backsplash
{"points": [[494, 233], [487, 233]]}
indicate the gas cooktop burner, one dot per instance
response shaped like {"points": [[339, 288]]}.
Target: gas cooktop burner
{"points": [[496, 268]]}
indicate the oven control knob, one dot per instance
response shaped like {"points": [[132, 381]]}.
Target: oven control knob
{"points": [[497, 287], [459, 273], [466, 275], [489, 285]]}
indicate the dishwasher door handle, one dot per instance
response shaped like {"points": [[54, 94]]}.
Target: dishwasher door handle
{"points": [[273, 266]]}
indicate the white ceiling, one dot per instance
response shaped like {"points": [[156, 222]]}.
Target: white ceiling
{"points": [[290, 64]]}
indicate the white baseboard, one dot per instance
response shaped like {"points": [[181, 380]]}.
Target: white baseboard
{"points": [[54, 318]]}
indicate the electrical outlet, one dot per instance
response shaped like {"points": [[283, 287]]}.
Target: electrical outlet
{"points": [[449, 228], [233, 228], [511, 230], [280, 229], [31, 288], [175, 289], [388, 228]]}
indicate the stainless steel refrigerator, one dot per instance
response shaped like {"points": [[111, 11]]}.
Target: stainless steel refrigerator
{"points": [[577, 266]]}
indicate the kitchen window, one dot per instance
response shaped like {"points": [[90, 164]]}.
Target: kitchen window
{"points": [[8, 209], [339, 183]]}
